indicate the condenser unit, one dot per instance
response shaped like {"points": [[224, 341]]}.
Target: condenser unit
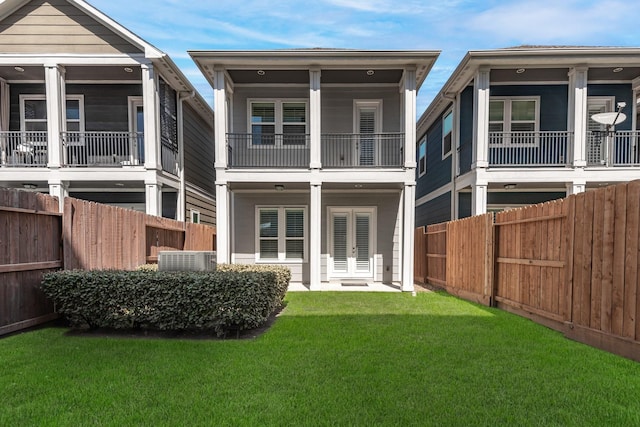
{"points": [[187, 260]]}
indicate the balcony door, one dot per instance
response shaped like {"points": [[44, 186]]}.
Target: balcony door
{"points": [[351, 242], [367, 126], [136, 127], [596, 132]]}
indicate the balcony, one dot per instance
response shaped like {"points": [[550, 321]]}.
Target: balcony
{"points": [[282, 151], [535, 149], [103, 149], [345, 150], [23, 149], [608, 149]]}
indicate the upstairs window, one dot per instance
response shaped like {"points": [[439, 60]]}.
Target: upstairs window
{"points": [[422, 157], [263, 123], [513, 121], [447, 134], [281, 123]]}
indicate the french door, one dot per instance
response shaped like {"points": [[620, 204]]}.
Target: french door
{"points": [[351, 242], [367, 127]]}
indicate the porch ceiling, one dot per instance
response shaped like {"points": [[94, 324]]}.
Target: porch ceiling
{"points": [[344, 76], [305, 186], [14, 73], [73, 73]]}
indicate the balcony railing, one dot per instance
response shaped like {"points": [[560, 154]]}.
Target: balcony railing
{"points": [[268, 150], [517, 149], [23, 149], [347, 150], [169, 157], [621, 148], [100, 149]]}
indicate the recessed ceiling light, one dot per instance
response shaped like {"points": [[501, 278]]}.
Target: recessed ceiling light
{"points": [[617, 70], [261, 72], [279, 187], [509, 186], [28, 186], [128, 69], [18, 69], [119, 184], [358, 186], [370, 72], [520, 70]]}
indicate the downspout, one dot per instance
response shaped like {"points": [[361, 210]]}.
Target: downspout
{"points": [[454, 152], [182, 202]]}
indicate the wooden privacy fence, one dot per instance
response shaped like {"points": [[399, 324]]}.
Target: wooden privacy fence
{"points": [[571, 264], [36, 238]]}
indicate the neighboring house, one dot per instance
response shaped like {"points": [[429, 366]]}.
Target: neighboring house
{"points": [[90, 110], [314, 160], [514, 126]]}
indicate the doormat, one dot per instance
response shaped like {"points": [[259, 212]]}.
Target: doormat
{"points": [[355, 284]]}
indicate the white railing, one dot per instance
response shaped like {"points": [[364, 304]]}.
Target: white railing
{"points": [[346, 150], [23, 149], [101, 149], [517, 149], [620, 148]]}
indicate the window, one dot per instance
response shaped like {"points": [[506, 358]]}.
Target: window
{"points": [[33, 113], [281, 123], [422, 157], [195, 216], [513, 121], [447, 132], [281, 233]]}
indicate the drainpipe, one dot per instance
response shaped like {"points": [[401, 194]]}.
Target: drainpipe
{"points": [[454, 151], [182, 199]]}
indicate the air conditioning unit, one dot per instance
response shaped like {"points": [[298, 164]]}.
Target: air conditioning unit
{"points": [[187, 260]]}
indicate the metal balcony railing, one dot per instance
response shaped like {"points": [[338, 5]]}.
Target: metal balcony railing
{"points": [[522, 149], [169, 158], [268, 150], [101, 149], [619, 148], [23, 148], [346, 150]]}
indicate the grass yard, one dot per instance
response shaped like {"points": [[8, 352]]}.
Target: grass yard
{"points": [[329, 359]]}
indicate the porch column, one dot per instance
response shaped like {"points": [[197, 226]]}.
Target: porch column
{"points": [[315, 119], [220, 118], [153, 198], [409, 195], [481, 84], [315, 237], [59, 189], [151, 118], [576, 187], [223, 215], [578, 79], [409, 96], [54, 76], [478, 199]]}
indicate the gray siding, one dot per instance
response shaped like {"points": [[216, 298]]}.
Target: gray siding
{"points": [[338, 108], [206, 207], [434, 211], [55, 26], [198, 150], [554, 102], [438, 169], [524, 198], [466, 130]]}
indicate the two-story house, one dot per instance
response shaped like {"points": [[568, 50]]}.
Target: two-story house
{"points": [[516, 126], [89, 109], [315, 166]]}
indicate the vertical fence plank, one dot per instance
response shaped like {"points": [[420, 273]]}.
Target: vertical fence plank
{"points": [[619, 239], [631, 260], [607, 264]]}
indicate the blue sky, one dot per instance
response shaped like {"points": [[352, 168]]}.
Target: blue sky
{"points": [[452, 26]]}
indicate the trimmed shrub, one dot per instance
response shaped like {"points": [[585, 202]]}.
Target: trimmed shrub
{"points": [[221, 301], [283, 274]]}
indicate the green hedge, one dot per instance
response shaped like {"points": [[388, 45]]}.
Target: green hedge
{"points": [[234, 298]]}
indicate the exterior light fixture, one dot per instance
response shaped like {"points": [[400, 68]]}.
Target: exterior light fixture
{"points": [[520, 70], [370, 72], [19, 69], [509, 186], [358, 186], [261, 72], [28, 186], [279, 187], [128, 69], [119, 184], [618, 69]]}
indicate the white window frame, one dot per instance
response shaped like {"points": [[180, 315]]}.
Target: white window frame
{"points": [[279, 120], [282, 237], [42, 97], [195, 216], [448, 153], [423, 141], [506, 120]]}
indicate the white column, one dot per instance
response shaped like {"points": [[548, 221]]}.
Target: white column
{"points": [[220, 118], [578, 79], [576, 187], [409, 128], [56, 112], [223, 216], [482, 84], [59, 189], [478, 199], [409, 195], [315, 118], [151, 117], [315, 237], [153, 198]]}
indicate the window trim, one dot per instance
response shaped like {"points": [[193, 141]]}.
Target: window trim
{"points": [[42, 97], [195, 216], [423, 141], [282, 237], [506, 120], [278, 120], [444, 116]]}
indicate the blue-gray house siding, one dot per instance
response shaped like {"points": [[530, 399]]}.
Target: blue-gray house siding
{"points": [[434, 211], [438, 169]]}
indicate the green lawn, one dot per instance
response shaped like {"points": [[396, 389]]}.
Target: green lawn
{"points": [[329, 359]]}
